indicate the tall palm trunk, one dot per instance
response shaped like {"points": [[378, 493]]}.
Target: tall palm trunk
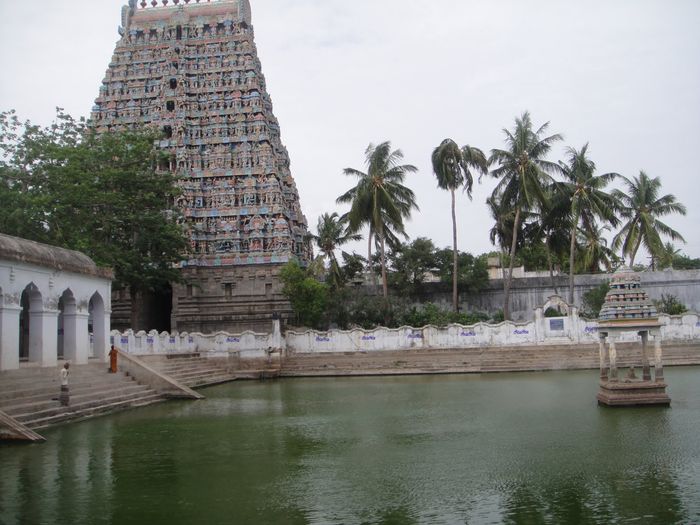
{"points": [[550, 264], [572, 253], [370, 269], [385, 285], [636, 249], [509, 281], [455, 263]]}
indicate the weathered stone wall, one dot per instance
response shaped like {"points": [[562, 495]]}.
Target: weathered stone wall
{"points": [[529, 293], [233, 298]]}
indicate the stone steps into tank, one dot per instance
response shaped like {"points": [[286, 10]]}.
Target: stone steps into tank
{"points": [[88, 411], [20, 389], [194, 371], [31, 395], [492, 359], [77, 396]]}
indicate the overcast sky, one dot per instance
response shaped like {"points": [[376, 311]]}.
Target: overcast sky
{"points": [[623, 75]]}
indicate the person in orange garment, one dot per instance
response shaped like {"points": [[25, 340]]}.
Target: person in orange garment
{"points": [[113, 360]]}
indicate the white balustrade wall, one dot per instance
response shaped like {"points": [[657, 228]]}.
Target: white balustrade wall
{"points": [[249, 345]]}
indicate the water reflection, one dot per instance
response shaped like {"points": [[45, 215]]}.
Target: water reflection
{"points": [[530, 448], [66, 480]]}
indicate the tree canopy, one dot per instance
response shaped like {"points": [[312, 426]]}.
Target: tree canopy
{"points": [[104, 195]]}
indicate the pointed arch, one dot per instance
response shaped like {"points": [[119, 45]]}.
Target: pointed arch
{"points": [[557, 303]]}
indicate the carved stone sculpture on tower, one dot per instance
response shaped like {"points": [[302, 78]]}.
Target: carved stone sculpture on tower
{"points": [[190, 69]]}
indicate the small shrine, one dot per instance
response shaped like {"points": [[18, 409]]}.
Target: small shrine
{"points": [[628, 309]]}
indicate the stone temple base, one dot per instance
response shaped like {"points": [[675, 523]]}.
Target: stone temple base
{"points": [[633, 393]]}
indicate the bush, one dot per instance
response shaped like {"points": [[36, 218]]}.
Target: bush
{"points": [[431, 314], [498, 317], [366, 311], [553, 312], [669, 304]]}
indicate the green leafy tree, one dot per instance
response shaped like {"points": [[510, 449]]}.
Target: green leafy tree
{"points": [[593, 300], [589, 201], [309, 298], [641, 207], [410, 263], [683, 262], [453, 168], [379, 200], [473, 271], [103, 195], [353, 265], [523, 173]]}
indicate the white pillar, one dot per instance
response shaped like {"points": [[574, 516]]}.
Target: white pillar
{"points": [[659, 366], [9, 337], [43, 337], [613, 360], [603, 351], [540, 325], [575, 321], [100, 336], [646, 369], [76, 341]]}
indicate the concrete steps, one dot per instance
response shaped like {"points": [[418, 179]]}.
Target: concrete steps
{"points": [[193, 371], [38, 390], [90, 411], [94, 394], [475, 360], [30, 395]]}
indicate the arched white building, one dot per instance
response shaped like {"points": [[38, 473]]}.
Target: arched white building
{"points": [[54, 303]]}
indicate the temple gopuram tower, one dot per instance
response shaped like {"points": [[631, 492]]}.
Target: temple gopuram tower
{"points": [[190, 68]]}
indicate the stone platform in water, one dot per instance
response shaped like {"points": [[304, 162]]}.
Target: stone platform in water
{"points": [[633, 393]]}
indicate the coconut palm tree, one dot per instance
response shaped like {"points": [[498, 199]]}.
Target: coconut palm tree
{"points": [[379, 199], [666, 257], [502, 229], [588, 200], [550, 223], [523, 174], [641, 207], [453, 168], [594, 250], [332, 234]]}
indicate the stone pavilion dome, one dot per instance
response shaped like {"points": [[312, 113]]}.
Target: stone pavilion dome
{"points": [[627, 300]]}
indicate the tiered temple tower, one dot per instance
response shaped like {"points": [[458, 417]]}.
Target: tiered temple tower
{"points": [[190, 68]]}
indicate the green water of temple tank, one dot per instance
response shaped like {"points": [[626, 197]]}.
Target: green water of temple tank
{"points": [[502, 448]]}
